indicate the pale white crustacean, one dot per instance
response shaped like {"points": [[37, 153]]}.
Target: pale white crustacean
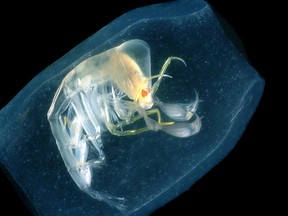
{"points": [[111, 91]]}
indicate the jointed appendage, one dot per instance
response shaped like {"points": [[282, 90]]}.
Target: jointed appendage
{"points": [[117, 129], [162, 72], [179, 113]]}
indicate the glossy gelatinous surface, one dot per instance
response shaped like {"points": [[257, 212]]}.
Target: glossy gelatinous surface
{"points": [[151, 168]]}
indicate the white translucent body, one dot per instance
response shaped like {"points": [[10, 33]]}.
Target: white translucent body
{"points": [[111, 91]]}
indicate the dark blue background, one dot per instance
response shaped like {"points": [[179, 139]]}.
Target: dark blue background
{"points": [[34, 36]]}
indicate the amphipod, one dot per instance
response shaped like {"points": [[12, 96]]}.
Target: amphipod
{"points": [[111, 91]]}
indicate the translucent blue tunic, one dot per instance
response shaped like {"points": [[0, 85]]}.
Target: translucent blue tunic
{"points": [[152, 168]]}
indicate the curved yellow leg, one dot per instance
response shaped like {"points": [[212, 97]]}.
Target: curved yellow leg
{"points": [[113, 128], [162, 72]]}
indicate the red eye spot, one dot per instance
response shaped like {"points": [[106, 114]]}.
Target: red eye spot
{"points": [[145, 92]]}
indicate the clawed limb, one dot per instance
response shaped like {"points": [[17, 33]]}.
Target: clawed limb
{"points": [[151, 124], [178, 129], [179, 113], [163, 71]]}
